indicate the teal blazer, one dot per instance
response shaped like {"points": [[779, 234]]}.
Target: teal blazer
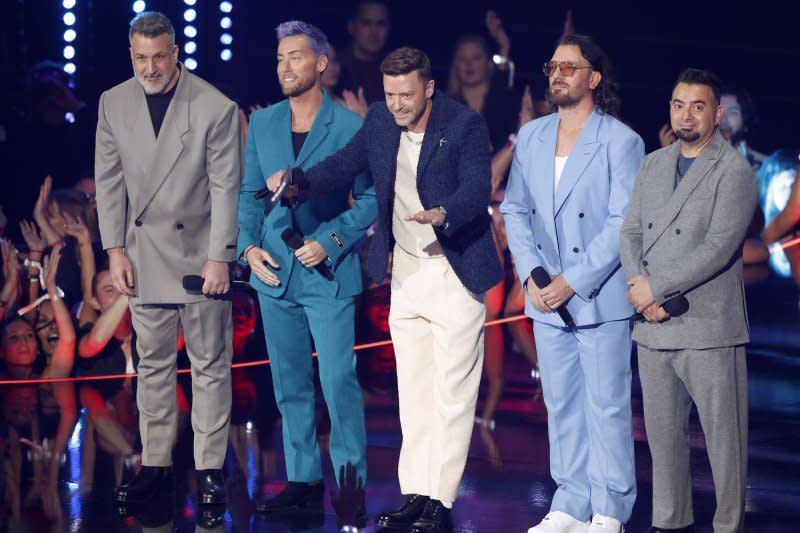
{"points": [[328, 219]]}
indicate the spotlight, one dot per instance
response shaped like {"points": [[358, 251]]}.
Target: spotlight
{"points": [[70, 35], [225, 7], [225, 23], [190, 63], [226, 54], [226, 39], [139, 6], [69, 18], [189, 15], [190, 32], [69, 68], [190, 2], [190, 47], [69, 52], [68, 4]]}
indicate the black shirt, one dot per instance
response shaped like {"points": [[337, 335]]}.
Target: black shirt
{"points": [[298, 139], [157, 104], [683, 167]]}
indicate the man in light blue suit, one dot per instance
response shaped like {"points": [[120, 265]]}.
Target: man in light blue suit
{"points": [[296, 301], [570, 182]]}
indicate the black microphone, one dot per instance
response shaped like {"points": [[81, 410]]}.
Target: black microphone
{"points": [[294, 240], [542, 279], [674, 306], [193, 284]]}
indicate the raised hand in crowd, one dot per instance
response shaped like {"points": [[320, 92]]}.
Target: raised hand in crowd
{"points": [[356, 103], [526, 110], [40, 214], [569, 24], [666, 136], [60, 364], [498, 33], [36, 243], [9, 293], [75, 227]]}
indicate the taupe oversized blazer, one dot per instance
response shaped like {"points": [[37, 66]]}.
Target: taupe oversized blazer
{"points": [[689, 241], [170, 202]]}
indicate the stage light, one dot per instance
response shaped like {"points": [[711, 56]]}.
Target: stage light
{"points": [[190, 63], [226, 54], [190, 2], [189, 15], [226, 39], [139, 6], [69, 68], [225, 7], [68, 4], [69, 18], [190, 47], [190, 31], [70, 35], [69, 52], [225, 23]]}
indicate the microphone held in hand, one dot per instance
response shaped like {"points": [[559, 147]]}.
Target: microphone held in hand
{"points": [[294, 241], [674, 306], [193, 284], [542, 279], [272, 199]]}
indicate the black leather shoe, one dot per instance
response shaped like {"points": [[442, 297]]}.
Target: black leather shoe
{"points": [[210, 487], [687, 529], [209, 516], [297, 496], [151, 483], [403, 517], [434, 519]]}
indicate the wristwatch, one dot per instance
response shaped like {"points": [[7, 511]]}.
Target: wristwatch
{"points": [[443, 211]]}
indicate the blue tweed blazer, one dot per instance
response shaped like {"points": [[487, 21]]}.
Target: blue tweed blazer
{"points": [[454, 172]]}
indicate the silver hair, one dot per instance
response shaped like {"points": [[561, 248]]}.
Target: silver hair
{"points": [[316, 38], [151, 24]]}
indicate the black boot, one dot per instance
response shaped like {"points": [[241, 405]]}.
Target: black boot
{"points": [[297, 496], [210, 487], [404, 516], [151, 483], [434, 519]]}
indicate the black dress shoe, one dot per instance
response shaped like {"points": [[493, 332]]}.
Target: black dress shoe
{"points": [[297, 496], [209, 516], [210, 487], [434, 519], [402, 518], [151, 483], [687, 529]]}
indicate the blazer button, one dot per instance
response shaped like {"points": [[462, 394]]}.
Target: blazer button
{"points": [[644, 263], [650, 225], [539, 246], [580, 215], [575, 250], [178, 226], [677, 231], [138, 223], [533, 211]]}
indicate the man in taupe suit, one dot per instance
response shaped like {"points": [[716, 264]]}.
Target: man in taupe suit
{"points": [[682, 235], [167, 166]]}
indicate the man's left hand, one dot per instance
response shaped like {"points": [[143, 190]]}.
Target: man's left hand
{"points": [[434, 217], [217, 278], [640, 295], [311, 254], [557, 292]]}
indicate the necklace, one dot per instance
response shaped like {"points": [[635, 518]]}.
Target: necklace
{"points": [[410, 139]]}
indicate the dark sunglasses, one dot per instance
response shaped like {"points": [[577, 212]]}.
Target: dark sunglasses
{"points": [[567, 69]]}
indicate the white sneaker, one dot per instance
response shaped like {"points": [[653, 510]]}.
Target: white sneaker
{"points": [[605, 524], [559, 522]]}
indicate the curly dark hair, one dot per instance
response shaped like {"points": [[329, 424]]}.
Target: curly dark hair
{"points": [[605, 94]]}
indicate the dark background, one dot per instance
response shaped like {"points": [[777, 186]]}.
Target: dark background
{"points": [[752, 44]]}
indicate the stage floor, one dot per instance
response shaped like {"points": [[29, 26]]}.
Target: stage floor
{"points": [[506, 486]]}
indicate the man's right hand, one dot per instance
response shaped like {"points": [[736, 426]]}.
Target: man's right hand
{"points": [[121, 271], [256, 257], [535, 294]]}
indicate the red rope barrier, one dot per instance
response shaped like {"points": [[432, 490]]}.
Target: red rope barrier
{"points": [[357, 348]]}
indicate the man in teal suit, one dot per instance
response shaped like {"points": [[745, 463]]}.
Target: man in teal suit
{"points": [[295, 298]]}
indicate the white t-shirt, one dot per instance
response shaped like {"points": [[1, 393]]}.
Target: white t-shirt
{"points": [[560, 164]]}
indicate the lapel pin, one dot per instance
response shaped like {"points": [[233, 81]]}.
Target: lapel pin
{"points": [[442, 141]]}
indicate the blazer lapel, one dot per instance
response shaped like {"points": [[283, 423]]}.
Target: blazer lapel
{"points": [[319, 130], [579, 158], [433, 138], [663, 188], [542, 184], [168, 145]]}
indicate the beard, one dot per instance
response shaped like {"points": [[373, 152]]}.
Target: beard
{"points": [[155, 87], [565, 99], [686, 136], [301, 87]]}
